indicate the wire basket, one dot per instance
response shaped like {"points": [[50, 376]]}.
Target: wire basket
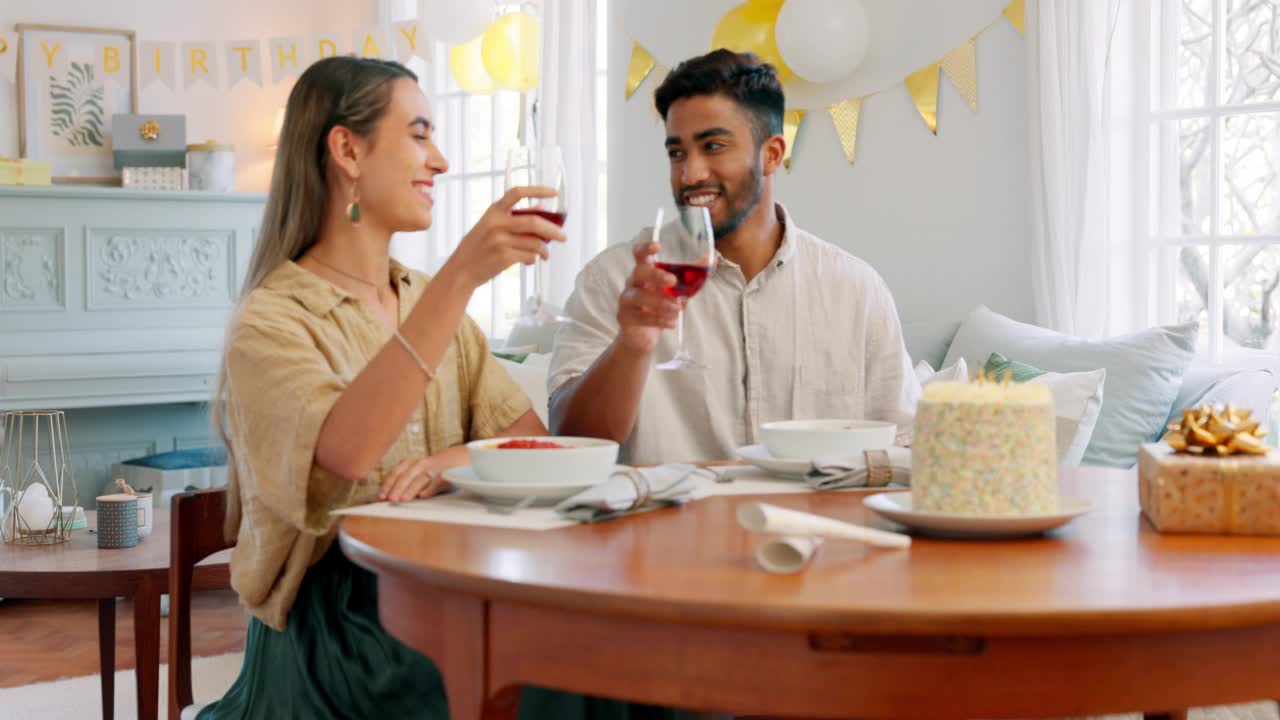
{"points": [[35, 479]]}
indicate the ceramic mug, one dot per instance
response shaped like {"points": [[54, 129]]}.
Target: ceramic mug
{"points": [[118, 521], [146, 514]]}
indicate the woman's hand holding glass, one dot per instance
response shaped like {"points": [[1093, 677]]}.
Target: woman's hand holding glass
{"points": [[501, 239]]}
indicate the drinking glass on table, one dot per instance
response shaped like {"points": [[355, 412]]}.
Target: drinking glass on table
{"points": [[543, 165], [686, 249]]}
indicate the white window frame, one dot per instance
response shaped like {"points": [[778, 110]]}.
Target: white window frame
{"points": [[1160, 89]]}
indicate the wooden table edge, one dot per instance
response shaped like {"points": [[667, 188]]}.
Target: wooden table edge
{"points": [[870, 622]]}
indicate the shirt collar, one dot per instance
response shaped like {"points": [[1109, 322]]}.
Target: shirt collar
{"points": [[319, 295], [786, 249]]}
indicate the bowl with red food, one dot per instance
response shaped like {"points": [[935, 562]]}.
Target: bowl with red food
{"points": [[543, 460]]}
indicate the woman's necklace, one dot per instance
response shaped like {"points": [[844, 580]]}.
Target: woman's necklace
{"points": [[376, 288]]}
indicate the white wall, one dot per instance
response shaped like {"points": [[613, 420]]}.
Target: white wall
{"points": [[242, 116], [946, 220]]}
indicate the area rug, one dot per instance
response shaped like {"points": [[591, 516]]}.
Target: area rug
{"points": [[80, 698]]}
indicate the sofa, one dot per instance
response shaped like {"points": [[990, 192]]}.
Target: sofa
{"points": [[1252, 385]]}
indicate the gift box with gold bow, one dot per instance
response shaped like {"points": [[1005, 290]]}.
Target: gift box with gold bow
{"points": [[25, 172], [149, 141], [1207, 492]]}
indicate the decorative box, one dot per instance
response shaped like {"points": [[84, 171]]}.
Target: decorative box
{"points": [[149, 140], [25, 172], [1237, 494], [154, 178], [211, 166]]}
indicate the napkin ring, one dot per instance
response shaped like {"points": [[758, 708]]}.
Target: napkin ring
{"points": [[642, 489], [879, 468]]}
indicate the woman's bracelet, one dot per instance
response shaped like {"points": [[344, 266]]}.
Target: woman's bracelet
{"points": [[416, 357]]}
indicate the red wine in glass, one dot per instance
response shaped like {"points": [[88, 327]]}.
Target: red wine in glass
{"points": [[549, 215], [689, 278]]}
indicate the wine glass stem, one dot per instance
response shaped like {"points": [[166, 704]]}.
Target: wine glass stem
{"points": [[680, 332], [537, 283]]}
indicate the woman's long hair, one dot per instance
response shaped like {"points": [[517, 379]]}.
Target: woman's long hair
{"points": [[338, 91]]}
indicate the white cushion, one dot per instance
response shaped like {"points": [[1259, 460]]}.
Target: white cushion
{"points": [[1077, 402], [959, 372], [189, 712], [531, 376]]}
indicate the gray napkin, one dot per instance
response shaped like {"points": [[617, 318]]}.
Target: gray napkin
{"points": [[630, 490], [891, 465]]}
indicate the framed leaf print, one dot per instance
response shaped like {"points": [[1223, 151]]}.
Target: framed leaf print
{"points": [[71, 80]]}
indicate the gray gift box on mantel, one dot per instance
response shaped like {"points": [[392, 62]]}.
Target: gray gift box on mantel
{"points": [[147, 141]]}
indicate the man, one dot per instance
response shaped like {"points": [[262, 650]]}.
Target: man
{"points": [[788, 326]]}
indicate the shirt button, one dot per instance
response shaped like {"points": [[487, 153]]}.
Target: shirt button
{"points": [[415, 428]]}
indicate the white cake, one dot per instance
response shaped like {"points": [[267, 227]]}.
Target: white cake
{"points": [[984, 448]]}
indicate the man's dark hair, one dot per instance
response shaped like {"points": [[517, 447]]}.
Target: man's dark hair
{"points": [[739, 76]]}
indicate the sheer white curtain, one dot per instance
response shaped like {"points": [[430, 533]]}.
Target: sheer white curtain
{"points": [[567, 117], [1083, 280]]}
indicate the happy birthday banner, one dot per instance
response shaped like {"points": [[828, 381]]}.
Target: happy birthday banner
{"points": [[227, 64], [959, 66]]}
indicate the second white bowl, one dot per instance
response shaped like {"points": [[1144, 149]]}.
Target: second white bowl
{"points": [[814, 439]]}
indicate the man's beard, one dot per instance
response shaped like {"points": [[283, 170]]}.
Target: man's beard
{"points": [[739, 208]]}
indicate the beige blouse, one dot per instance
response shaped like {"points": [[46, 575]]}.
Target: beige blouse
{"points": [[296, 344]]}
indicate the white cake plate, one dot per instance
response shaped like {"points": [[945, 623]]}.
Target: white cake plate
{"points": [[896, 506]]}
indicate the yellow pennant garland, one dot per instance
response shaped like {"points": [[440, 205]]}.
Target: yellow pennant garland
{"points": [[790, 130], [961, 68], [642, 63], [1016, 11], [844, 115], [923, 85]]}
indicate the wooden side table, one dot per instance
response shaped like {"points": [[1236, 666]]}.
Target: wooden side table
{"points": [[78, 569]]}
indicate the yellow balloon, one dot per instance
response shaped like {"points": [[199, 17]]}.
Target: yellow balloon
{"points": [[763, 10], [467, 67], [512, 50], [748, 28]]}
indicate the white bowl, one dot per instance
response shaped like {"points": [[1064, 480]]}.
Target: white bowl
{"points": [[814, 439], [581, 459]]}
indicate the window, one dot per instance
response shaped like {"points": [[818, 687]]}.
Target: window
{"points": [[1214, 195], [474, 132]]}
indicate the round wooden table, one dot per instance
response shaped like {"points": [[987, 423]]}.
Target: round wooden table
{"points": [[668, 607], [78, 569]]}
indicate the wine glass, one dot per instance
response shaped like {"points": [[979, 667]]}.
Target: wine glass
{"points": [[543, 166], [686, 249]]}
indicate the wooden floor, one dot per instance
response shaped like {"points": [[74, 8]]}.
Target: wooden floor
{"points": [[45, 640]]}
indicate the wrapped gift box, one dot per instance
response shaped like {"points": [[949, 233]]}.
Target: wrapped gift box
{"points": [[149, 140], [25, 172], [154, 178], [1237, 494]]}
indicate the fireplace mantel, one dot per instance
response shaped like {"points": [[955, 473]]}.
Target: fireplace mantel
{"points": [[113, 297]]}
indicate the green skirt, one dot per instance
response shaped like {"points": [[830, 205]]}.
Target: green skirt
{"points": [[334, 661]]}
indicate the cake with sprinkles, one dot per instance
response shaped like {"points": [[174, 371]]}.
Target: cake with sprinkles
{"points": [[984, 448]]}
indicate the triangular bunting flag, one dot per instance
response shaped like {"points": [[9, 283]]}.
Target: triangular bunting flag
{"points": [[642, 63], [845, 116], [1016, 11], [790, 131], [961, 68], [923, 85]]}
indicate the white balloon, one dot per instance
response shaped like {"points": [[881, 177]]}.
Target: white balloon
{"points": [[454, 22], [823, 40]]}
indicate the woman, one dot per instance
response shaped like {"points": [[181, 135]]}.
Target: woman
{"points": [[349, 379]]}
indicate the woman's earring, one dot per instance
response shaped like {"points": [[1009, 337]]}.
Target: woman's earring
{"points": [[353, 207]]}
